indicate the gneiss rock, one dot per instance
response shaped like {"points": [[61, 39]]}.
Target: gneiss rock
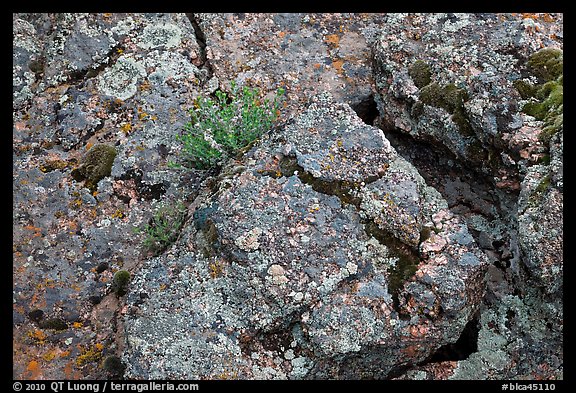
{"points": [[314, 281]]}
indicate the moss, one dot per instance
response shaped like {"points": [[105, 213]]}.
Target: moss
{"points": [[164, 227], [420, 73], [36, 315], [526, 89], [95, 165], [417, 110], [535, 198], [406, 264], [114, 366], [425, 233], [543, 186], [547, 63], [342, 189], [54, 323], [546, 100], [450, 98], [120, 282], [37, 66]]}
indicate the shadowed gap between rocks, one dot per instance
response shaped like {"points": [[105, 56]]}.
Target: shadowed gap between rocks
{"points": [[366, 109], [201, 40], [466, 344]]}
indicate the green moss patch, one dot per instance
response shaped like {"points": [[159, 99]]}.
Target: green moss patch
{"points": [[120, 282], [420, 73], [95, 165], [547, 63], [450, 98], [546, 99]]}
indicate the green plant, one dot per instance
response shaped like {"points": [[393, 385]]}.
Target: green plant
{"points": [[164, 227], [222, 127]]}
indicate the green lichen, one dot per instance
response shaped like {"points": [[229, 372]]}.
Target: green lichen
{"points": [[420, 73], [450, 98], [120, 282], [95, 165]]}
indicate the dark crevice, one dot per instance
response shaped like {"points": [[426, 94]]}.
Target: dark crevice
{"points": [[366, 109], [405, 267], [201, 40], [78, 77], [341, 188], [436, 163], [466, 344], [145, 190]]}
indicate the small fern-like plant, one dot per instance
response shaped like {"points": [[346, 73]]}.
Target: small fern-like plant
{"points": [[220, 128], [164, 227]]}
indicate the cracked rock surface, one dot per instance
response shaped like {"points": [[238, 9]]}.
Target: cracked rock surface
{"points": [[401, 220], [300, 260]]}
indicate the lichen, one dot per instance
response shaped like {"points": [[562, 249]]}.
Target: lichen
{"points": [[93, 354], [420, 73]]}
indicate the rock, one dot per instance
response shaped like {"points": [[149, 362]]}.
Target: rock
{"points": [[329, 249], [359, 313], [83, 82], [451, 79], [304, 53], [540, 209]]}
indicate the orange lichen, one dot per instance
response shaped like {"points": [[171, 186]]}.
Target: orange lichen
{"points": [[126, 128], [216, 269], [38, 336], [332, 39], [337, 65], [91, 355]]}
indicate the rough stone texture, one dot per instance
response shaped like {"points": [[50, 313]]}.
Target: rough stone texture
{"points": [[298, 262], [81, 80], [540, 218], [449, 79], [304, 53], [333, 249], [479, 56]]}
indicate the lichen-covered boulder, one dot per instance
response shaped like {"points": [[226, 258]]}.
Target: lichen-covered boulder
{"points": [[540, 221], [304, 53], [452, 79], [293, 270]]}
